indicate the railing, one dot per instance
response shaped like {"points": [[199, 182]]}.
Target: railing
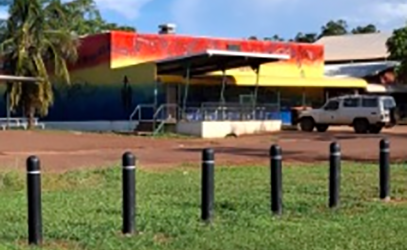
{"points": [[159, 128], [165, 113], [158, 114], [19, 122], [163, 116], [138, 111], [232, 111], [161, 110]]}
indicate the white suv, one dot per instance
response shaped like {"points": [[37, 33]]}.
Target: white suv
{"points": [[365, 113]]}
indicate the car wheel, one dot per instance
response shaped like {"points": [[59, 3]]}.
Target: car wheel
{"points": [[375, 129], [307, 124], [322, 127], [361, 126]]}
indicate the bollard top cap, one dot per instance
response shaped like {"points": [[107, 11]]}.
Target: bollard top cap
{"points": [[208, 154], [128, 159], [335, 147], [33, 163], [275, 150], [384, 143]]}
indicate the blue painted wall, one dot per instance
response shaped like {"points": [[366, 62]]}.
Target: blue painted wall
{"points": [[87, 102]]}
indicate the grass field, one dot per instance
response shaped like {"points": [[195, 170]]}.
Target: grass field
{"points": [[82, 210]]}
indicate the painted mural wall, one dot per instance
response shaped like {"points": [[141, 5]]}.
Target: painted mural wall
{"points": [[115, 71], [307, 60]]}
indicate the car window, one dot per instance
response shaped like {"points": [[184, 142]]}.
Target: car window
{"points": [[388, 103], [332, 105], [369, 102], [351, 102]]}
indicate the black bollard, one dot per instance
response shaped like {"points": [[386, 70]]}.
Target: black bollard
{"points": [[334, 174], [384, 169], [34, 200], [208, 186], [129, 192], [276, 180]]}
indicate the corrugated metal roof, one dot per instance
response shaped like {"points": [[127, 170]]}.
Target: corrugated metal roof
{"points": [[358, 70], [355, 46]]}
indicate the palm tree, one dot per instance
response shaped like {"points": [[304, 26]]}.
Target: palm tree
{"points": [[36, 41]]}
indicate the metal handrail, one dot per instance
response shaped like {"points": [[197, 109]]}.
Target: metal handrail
{"points": [[228, 113], [137, 110], [164, 120], [159, 128], [162, 106], [211, 111]]}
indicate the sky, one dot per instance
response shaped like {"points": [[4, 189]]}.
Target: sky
{"points": [[243, 18]]}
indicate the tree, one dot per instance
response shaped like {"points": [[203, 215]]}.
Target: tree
{"points": [[305, 38], [40, 37], [35, 41], [114, 26], [254, 38], [86, 18], [276, 38], [397, 47], [334, 28], [370, 28]]}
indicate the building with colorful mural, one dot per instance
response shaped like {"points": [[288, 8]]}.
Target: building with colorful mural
{"points": [[117, 71]]}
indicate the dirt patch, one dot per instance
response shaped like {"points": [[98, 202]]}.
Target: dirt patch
{"points": [[65, 151]]}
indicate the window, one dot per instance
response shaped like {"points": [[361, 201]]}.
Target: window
{"points": [[351, 102], [389, 103], [332, 105], [233, 47], [369, 102]]}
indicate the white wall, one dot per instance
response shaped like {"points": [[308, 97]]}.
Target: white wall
{"points": [[92, 126], [203, 129], [220, 129]]}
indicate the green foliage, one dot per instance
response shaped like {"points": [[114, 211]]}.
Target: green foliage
{"points": [[306, 38], [334, 28], [85, 18], [34, 41], [397, 47], [341, 27], [276, 38], [40, 37], [331, 28], [82, 210], [370, 28]]}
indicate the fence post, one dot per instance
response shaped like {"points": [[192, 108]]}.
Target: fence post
{"points": [[129, 192], [207, 187], [334, 174], [276, 180], [34, 200], [384, 169]]}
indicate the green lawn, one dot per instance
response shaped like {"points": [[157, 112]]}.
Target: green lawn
{"points": [[82, 210]]}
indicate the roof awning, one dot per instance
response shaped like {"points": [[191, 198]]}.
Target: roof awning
{"points": [[270, 81], [358, 69], [214, 60], [304, 82]]}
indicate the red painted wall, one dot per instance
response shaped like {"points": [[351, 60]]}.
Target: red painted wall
{"points": [[117, 46]]}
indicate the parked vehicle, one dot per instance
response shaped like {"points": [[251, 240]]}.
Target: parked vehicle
{"points": [[365, 113]]}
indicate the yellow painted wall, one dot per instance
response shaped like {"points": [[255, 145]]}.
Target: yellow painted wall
{"points": [[104, 75]]}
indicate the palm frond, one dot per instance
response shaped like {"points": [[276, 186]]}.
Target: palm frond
{"points": [[36, 34]]}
